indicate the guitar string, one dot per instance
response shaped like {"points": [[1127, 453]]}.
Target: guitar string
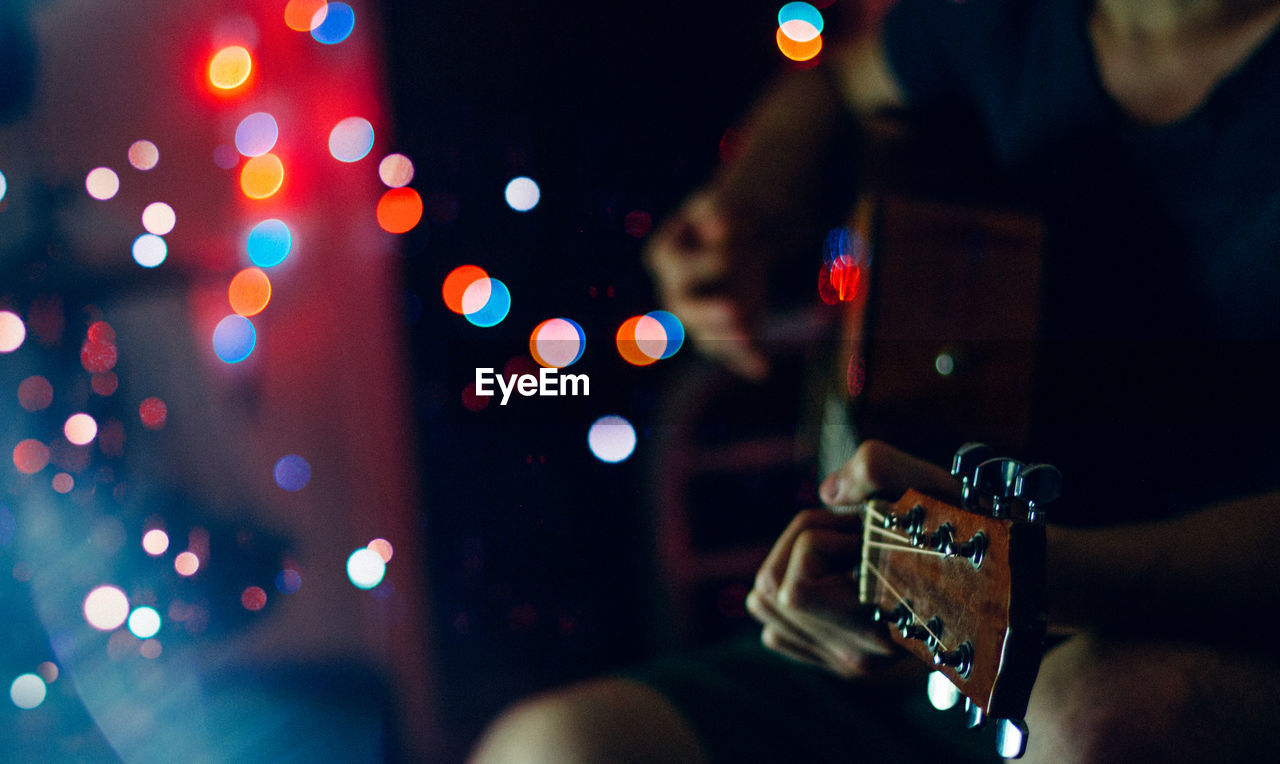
{"points": [[904, 548], [903, 601]]}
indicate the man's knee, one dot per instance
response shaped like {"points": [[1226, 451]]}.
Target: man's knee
{"points": [[603, 720], [1099, 700]]}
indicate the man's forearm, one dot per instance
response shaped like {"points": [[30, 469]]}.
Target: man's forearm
{"points": [[1188, 575]]}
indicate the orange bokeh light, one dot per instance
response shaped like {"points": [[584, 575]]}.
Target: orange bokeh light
{"points": [[250, 291], [798, 51], [629, 347], [230, 67], [300, 15], [399, 210], [456, 283], [262, 176]]}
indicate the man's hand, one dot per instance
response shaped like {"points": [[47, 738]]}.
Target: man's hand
{"points": [[806, 593], [707, 276]]}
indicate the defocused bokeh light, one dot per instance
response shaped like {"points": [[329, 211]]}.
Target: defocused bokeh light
{"points": [[798, 51], [12, 331], [230, 67], [305, 15], [257, 134], [458, 282], [102, 183], [365, 568], [383, 548], [155, 542], [399, 210], [106, 608], [262, 176], [611, 439], [144, 622], [336, 25], [292, 472], [557, 342], [486, 302], [522, 194], [186, 563], [27, 691], [249, 292], [30, 456], [351, 139], [143, 155], [253, 598], [35, 393], [153, 413], [159, 218], [80, 429], [269, 243], [234, 338], [149, 250], [395, 170]]}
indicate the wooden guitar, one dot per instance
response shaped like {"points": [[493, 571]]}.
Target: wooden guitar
{"points": [[962, 587]]}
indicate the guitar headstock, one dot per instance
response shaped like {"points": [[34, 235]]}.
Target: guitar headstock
{"points": [[962, 585]]}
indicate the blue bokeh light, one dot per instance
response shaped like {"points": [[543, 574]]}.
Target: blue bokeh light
{"points": [[496, 308], [337, 24], [800, 12], [292, 473], [269, 243], [674, 329], [234, 338]]}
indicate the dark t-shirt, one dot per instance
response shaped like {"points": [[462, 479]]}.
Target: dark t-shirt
{"points": [[1157, 382]]}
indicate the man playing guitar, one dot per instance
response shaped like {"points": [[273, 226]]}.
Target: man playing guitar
{"points": [[1144, 131]]}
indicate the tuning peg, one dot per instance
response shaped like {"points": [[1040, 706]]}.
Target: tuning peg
{"points": [[1011, 738], [964, 463], [915, 631], [911, 521], [974, 715], [975, 548], [960, 659], [899, 617], [1038, 485], [996, 478], [940, 540], [943, 694]]}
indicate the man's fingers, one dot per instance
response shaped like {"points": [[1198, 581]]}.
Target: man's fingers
{"points": [[774, 570], [877, 467]]}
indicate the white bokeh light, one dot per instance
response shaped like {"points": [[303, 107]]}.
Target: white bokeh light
{"points": [[523, 194], [159, 218], [155, 542], [27, 691], [144, 622], [365, 568], [102, 183], [106, 608], [612, 439]]}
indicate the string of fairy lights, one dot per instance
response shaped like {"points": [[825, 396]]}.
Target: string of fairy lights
{"points": [[261, 172]]}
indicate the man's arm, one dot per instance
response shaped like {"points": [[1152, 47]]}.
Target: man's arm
{"points": [[711, 259]]}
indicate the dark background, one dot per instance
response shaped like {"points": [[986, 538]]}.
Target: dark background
{"points": [[541, 566]]}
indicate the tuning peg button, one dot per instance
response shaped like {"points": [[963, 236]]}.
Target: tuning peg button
{"points": [[975, 717], [1011, 738], [996, 478], [1038, 485], [963, 465]]}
